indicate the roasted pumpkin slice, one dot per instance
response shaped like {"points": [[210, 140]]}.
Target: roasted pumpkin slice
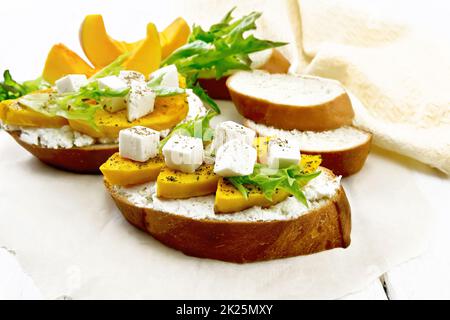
{"points": [[174, 36], [13, 113], [146, 57], [124, 172], [229, 199], [97, 45], [62, 61], [175, 184], [168, 112]]}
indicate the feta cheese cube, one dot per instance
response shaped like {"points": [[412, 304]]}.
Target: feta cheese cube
{"points": [[282, 153], [183, 153], [138, 143], [128, 76], [169, 76], [113, 104], [235, 158], [112, 83], [71, 83], [140, 101], [230, 130]]}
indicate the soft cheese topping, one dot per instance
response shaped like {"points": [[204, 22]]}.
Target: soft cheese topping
{"points": [[55, 138], [338, 139]]}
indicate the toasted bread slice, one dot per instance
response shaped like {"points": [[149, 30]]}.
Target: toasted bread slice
{"points": [[80, 160], [343, 150], [270, 60], [284, 230], [291, 101]]}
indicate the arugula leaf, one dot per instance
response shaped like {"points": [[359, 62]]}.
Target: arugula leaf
{"points": [[188, 50], [198, 127], [201, 93], [218, 51], [162, 91], [291, 180], [113, 68], [11, 89], [222, 48]]}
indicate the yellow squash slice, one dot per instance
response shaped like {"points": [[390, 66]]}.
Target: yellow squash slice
{"points": [[12, 113], [229, 199], [175, 184], [124, 172], [168, 112]]}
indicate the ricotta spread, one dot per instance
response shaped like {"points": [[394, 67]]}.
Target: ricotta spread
{"points": [[330, 140], [55, 138]]}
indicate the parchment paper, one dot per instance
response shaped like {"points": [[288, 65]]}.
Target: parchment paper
{"points": [[73, 241], [70, 238]]}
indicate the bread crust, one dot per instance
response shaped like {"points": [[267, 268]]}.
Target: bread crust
{"points": [[344, 162], [277, 63], [216, 88], [79, 160], [326, 116], [321, 229]]}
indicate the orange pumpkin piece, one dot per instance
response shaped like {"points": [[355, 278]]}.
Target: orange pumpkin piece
{"points": [[146, 57], [62, 61], [173, 184], [168, 112], [174, 36], [12, 113], [97, 45], [229, 199], [124, 172]]}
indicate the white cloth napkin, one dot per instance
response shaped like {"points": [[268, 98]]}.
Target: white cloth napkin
{"points": [[393, 55]]}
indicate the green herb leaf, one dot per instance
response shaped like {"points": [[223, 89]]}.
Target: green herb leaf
{"points": [[218, 51], [198, 127], [238, 183], [290, 179], [162, 91], [201, 93], [11, 89], [197, 47], [113, 68]]}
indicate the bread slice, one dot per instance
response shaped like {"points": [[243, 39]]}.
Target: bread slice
{"points": [[270, 60], [343, 150], [284, 230], [80, 160], [291, 101]]}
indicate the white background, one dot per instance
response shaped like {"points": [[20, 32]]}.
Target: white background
{"points": [[29, 28]]}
